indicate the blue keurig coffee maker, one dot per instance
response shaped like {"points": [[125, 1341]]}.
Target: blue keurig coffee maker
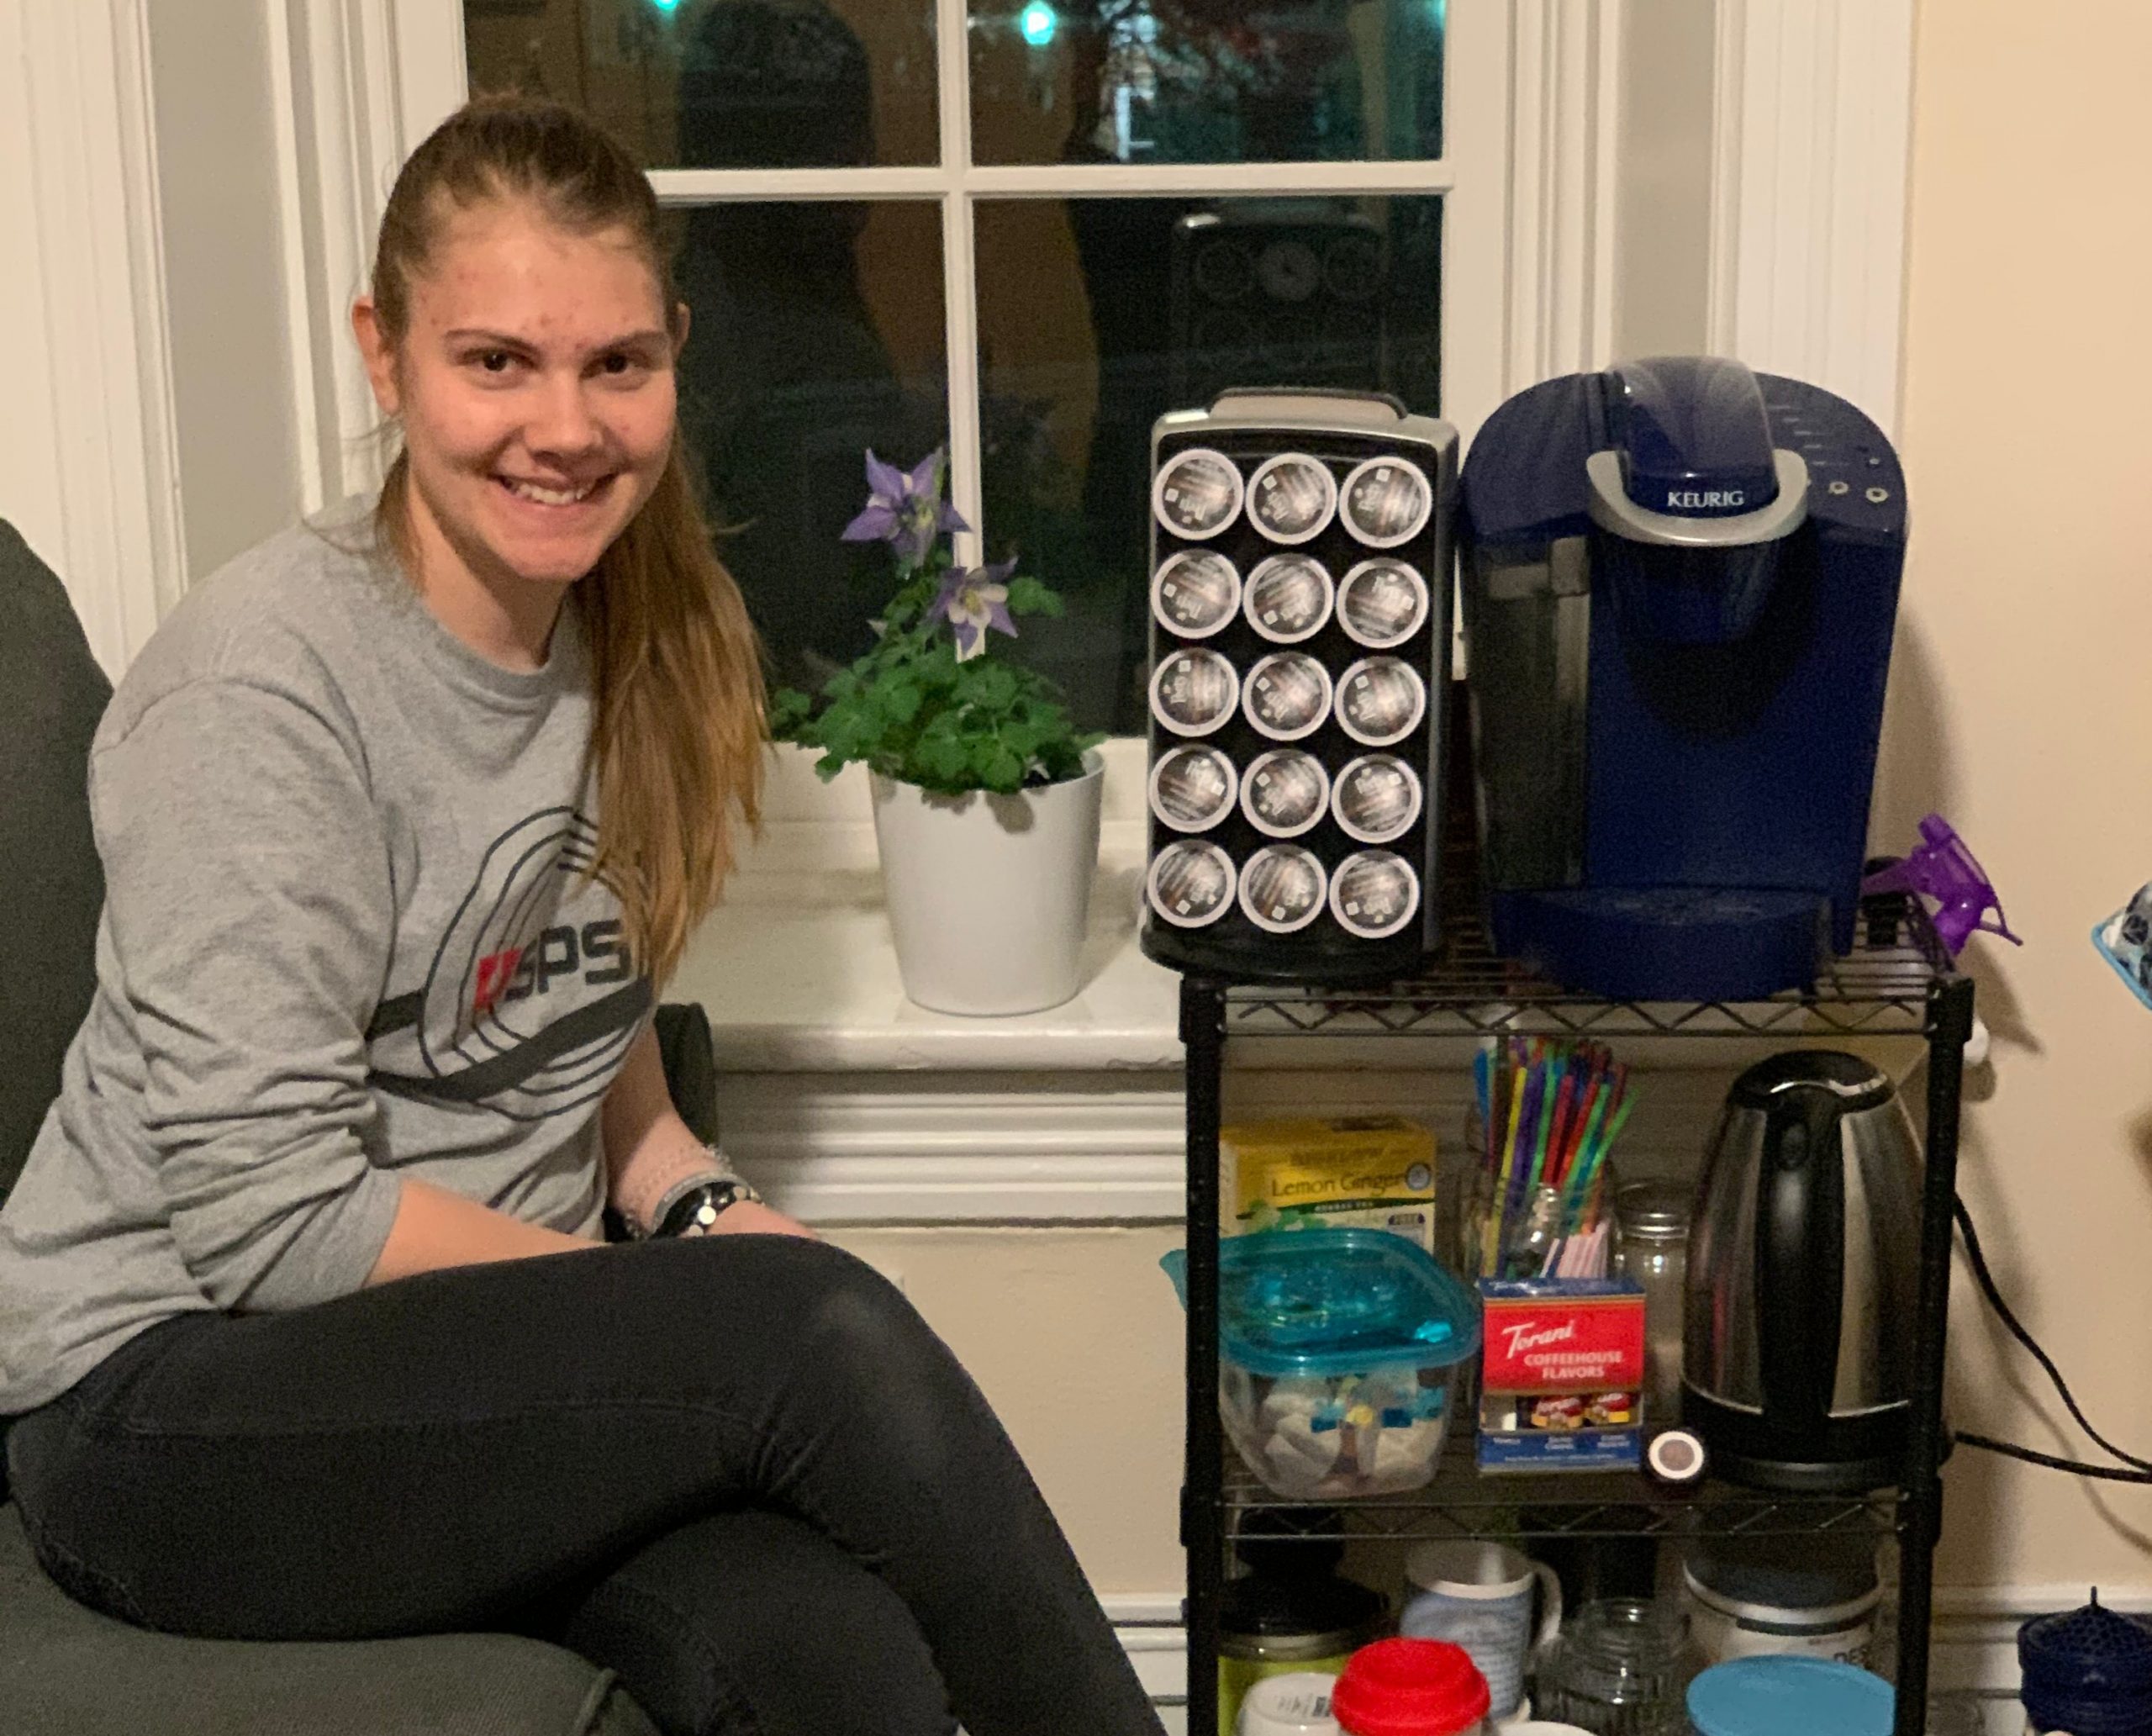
{"points": [[1680, 583]]}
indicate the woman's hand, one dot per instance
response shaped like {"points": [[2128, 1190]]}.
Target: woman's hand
{"points": [[747, 1217]]}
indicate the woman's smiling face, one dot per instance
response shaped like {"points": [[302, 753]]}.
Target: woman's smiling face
{"points": [[535, 388]]}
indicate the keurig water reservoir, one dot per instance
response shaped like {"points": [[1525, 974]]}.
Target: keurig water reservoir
{"points": [[1300, 641]]}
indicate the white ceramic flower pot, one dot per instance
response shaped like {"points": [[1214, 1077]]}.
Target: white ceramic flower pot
{"points": [[987, 893]]}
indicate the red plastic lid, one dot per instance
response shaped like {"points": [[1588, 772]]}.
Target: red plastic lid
{"points": [[1409, 1687]]}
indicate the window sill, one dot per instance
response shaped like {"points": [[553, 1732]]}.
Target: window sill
{"points": [[798, 971]]}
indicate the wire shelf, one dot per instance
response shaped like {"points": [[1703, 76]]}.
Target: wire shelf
{"points": [[1882, 988], [1463, 1502]]}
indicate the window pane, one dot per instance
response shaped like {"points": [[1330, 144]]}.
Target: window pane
{"points": [[733, 84], [1206, 81], [817, 332], [1096, 316]]}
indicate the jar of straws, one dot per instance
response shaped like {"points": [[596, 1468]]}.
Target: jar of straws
{"points": [[1548, 1114]]}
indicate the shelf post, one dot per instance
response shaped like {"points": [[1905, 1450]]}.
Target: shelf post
{"points": [[1919, 1500], [1203, 1031]]}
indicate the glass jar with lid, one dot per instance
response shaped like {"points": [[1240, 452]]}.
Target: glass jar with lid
{"points": [[1652, 1220]]}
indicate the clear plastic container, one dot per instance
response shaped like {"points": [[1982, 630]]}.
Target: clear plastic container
{"points": [[1336, 1351]]}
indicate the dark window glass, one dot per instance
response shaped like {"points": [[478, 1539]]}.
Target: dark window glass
{"points": [[1206, 81], [735, 84], [1096, 316], [817, 332]]}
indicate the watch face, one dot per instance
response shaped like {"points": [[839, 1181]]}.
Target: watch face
{"points": [[1380, 700], [1190, 883], [1193, 692], [1197, 493], [1386, 501], [1382, 603], [1287, 597], [1376, 798], [1282, 889], [1192, 788], [1287, 695], [1292, 497], [1196, 592], [1374, 894], [1284, 793]]}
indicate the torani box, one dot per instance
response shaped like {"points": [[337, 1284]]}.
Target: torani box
{"points": [[1562, 1359]]}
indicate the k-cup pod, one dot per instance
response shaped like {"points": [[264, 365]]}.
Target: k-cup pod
{"points": [[1386, 501], [1376, 798], [1192, 788], [1287, 599], [1193, 692], [1380, 700], [1284, 793], [1191, 882], [1382, 603], [1197, 493], [1286, 696], [1282, 888], [1195, 592], [1374, 894], [1291, 496]]}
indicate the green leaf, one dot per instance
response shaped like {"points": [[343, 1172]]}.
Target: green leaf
{"points": [[1029, 596]]}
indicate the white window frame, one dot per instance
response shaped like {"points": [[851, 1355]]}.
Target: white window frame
{"points": [[1807, 231]]}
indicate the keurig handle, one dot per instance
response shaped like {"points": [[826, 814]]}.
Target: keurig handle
{"points": [[1799, 1261]]}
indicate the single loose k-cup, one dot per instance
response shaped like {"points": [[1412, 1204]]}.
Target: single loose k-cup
{"points": [[1284, 792], [1376, 798], [1386, 501], [1282, 888], [1190, 883], [1193, 692], [1374, 894], [1287, 597], [1192, 788], [1286, 696], [1380, 701], [1292, 497], [1197, 493], [1196, 592], [1382, 603]]}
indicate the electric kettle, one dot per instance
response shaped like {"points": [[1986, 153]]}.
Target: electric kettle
{"points": [[1803, 1255]]}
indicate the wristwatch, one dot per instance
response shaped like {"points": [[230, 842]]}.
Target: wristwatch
{"points": [[695, 1211]]}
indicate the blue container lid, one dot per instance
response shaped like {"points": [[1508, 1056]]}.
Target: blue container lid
{"points": [[1327, 1303], [1790, 1696]]}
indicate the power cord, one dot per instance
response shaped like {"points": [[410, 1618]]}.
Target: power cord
{"points": [[2016, 1328]]}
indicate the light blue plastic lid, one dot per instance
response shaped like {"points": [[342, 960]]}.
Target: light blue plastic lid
{"points": [[1326, 1302], [1790, 1696]]}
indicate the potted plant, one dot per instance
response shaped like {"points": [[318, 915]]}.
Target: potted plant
{"points": [[986, 794]]}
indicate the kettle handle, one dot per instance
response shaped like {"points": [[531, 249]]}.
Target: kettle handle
{"points": [[1800, 1260]]}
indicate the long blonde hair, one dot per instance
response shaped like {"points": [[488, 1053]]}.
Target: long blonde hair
{"points": [[679, 734]]}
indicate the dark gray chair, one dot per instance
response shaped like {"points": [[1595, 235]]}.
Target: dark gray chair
{"points": [[64, 1669]]}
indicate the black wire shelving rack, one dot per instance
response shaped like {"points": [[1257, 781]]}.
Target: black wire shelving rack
{"points": [[1897, 983]]}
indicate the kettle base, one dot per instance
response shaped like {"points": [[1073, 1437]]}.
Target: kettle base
{"points": [[1836, 1455]]}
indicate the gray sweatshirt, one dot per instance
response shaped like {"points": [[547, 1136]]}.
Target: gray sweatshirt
{"points": [[345, 938]]}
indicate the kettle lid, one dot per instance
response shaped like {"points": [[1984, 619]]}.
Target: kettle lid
{"points": [[1855, 1084]]}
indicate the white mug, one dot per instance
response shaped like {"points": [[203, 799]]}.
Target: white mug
{"points": [[1479, 1595]]}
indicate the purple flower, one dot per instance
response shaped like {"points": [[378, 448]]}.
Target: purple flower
{"points": [[973, 598], [904, 510]]}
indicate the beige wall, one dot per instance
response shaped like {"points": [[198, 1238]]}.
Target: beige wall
{"points": [[1074, 1336], [2019, 708]]}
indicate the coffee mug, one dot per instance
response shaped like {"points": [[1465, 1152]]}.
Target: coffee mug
{"points": [[1479, 1595]]}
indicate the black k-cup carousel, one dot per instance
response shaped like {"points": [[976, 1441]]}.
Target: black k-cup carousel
{"points": [[1300, 642]]}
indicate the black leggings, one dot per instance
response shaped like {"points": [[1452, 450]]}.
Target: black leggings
{"points": [[740, 1470]]}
